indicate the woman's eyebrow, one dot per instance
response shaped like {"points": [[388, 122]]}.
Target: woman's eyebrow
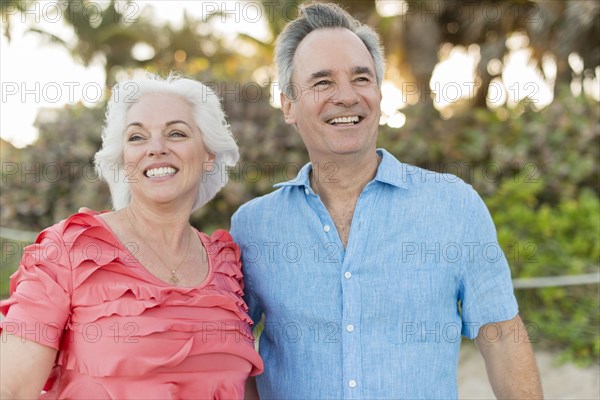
{"points": [[177, 121]]}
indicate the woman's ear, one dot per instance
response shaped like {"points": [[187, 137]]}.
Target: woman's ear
{"points": [[209, 164]]}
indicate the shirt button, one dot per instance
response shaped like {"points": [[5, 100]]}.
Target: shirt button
{"points": [[326, 228], [350, 327], [347, 274], [352, 383], [306, 191]]}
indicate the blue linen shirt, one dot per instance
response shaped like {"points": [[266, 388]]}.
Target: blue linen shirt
{"points": [[383, 318]]}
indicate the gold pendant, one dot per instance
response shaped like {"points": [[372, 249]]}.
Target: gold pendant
{"points": [[173, 279]]}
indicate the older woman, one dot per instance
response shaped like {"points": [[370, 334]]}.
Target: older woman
{"points": [[135, 303]]}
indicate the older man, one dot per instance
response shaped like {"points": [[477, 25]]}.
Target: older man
{"points": [[369, 271]]}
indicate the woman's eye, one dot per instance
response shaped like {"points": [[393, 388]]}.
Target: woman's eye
{"points": [[177, 134], [135, 137]]}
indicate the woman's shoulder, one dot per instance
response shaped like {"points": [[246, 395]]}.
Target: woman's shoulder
{"points": [[63, 232], [62, 249], [224, 254], [72, 227], [80, 237], [221, 240], [221, 235]]}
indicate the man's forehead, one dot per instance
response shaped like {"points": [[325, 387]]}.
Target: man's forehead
{"points": [[329, 37], [316, 53]]}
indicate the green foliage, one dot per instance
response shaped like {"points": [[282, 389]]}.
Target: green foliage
{"points": [[544, 240], [50, 180], [560, 144], [10, 256]]}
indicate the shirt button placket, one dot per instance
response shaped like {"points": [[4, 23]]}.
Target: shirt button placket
{"points": [[351, 334], [351, 309]]}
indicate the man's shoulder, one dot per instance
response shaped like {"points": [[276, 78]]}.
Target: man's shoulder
{"points": [[265, 202], [425, 179], [419, 179]]}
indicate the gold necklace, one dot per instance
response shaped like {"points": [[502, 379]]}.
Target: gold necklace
{"points": [[173, 279]]}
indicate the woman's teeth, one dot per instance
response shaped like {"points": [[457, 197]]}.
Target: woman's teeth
{"points": [[159, 172]]}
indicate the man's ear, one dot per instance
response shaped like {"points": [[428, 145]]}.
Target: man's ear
{"points": [[286, 107]]}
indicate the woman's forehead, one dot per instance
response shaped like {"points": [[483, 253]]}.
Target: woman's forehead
{"points": [[159, 107]]}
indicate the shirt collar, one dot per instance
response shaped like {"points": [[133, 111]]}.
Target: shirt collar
{"points": [[302, 179], [390, 171]]}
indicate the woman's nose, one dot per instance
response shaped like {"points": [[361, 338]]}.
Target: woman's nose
{"points": [[157, 146]]}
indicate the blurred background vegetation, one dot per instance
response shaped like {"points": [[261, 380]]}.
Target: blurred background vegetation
{"points": [[535, 164]]}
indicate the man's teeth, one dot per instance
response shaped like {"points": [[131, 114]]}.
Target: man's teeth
{"points": [[344, 120], [162, 171]]}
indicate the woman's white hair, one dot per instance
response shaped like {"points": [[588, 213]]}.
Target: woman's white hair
{"points": [[208, 116]]}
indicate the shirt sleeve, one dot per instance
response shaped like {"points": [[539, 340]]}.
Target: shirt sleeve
{"points": [[39, 305], [239, 233], [486, 291]]}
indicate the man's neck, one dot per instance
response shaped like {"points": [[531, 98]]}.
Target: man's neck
{"points": [[342, 179], [339, 183]]}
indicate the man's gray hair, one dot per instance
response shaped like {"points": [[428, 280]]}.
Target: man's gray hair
{"points": [[208, 116], [321, 16]]}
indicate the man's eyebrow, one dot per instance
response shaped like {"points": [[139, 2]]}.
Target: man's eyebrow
{"points": [[321, 74], [324, 73], [362, 70]]}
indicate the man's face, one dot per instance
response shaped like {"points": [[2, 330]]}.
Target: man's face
{"points": [[337, 103]]}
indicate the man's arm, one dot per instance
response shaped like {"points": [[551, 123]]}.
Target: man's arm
{"points": [[509, 360]]}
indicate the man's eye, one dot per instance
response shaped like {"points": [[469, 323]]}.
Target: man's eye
{"points": [[323, 84], [363, 79]]}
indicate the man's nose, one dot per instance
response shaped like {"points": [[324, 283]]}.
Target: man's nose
{"points": [[345, 95]]}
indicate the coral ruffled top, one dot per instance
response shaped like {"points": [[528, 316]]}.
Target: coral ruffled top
{"points": [[121, 332]]}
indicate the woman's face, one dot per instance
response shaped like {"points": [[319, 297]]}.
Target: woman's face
{"points": [[163, 151]]}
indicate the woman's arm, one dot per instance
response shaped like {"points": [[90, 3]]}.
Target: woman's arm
{"points": [[251, 390], [24, 367]]}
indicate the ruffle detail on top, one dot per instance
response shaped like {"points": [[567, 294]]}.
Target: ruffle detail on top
{"points": [[122, 321], [39, 305]]}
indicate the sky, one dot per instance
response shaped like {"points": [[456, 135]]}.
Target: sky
{"points": [[35, 74]]}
